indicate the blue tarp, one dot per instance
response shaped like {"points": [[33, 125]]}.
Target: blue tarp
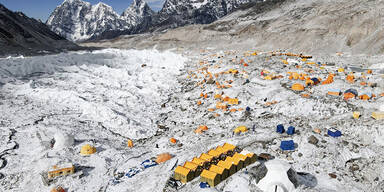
{"points": [[132, 172], [334, 133], [148, 163], [287, 145], [204, 185]]}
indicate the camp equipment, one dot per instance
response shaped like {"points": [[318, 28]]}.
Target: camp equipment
{"points": [[280, 128], [291, 130], [334, 132], [287, 145]]}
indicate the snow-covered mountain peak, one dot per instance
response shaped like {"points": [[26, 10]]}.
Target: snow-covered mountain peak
{"points": [[138, 8]]}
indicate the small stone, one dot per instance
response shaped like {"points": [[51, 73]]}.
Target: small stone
{"points": [[265, 156], [222, 135], [354, 167], [300, 154], [332, 175], [289, 158], [180, 145], [313, 140]]}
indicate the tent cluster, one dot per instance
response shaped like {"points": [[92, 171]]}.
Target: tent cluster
{"points": [[210, 75], [308, 70], [216, 165]]}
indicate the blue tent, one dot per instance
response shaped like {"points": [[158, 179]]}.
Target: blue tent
{"points": [[334, 133], [315, 80], [291, 130], [248, 109], [287, 145], [280, 128]]}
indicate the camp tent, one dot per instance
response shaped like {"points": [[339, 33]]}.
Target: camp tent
{"points": [[161, 158], [183, 174], [378, 115], [334, 92], [240, 129], [130, 143], [279, 177], [350, 93], [87, 150], [297, 87], [365, 96], [210, 177]]}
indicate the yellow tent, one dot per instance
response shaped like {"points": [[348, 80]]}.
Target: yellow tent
{"points": [[233, 101], [297, 87], [240, 129], [87, 150]]}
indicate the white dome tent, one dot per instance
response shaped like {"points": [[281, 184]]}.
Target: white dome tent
{"points": [[63, 140], [277, 177]]}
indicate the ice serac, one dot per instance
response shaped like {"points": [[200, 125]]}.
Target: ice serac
{"points": [[20, 34]]}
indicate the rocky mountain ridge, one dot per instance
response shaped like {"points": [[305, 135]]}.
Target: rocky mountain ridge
{"points": [[78, 20], [20, 34]]}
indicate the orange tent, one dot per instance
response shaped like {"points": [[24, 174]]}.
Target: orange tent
{"points": [[201, 129], [130, 143], [350, 78], [172, 140], [329, 80], [163, 158], [298, 87], [349, 96], [364, 97]]}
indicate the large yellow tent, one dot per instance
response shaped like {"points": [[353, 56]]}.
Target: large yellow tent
{"points": [[87, 150]]}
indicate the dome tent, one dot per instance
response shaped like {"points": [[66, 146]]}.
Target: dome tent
{"points": [[279, 177], [87, 150], [63, 140]]}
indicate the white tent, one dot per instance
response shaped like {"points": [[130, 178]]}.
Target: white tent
{"points": [[63, 140], [276, 179]]}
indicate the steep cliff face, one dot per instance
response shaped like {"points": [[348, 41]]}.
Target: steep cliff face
{"points": [[20, 34]]}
